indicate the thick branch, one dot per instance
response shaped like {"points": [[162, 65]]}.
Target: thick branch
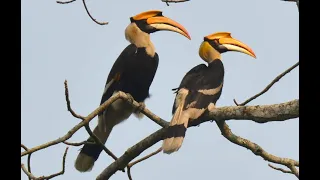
{"points": [[255, 148], [259, 114], [93, 114], [132, 153], [95, 138], [265, 113], [268, 87]]}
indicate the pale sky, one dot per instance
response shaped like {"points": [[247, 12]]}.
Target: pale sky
{"points": [[61, 42]]}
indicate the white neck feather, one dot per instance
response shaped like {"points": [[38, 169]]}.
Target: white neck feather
{"points": [[141, 39]]}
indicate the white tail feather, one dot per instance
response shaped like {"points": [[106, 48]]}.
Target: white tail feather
{"points": [[173, 144]]}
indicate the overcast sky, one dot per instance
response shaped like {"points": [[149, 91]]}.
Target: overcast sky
{"points": [[61, 42]]}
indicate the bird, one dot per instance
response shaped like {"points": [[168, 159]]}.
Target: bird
{"points": [[201, 87], [132, 73]]}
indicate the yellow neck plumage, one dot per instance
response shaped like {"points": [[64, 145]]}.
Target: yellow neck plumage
{"points": [[208, 53]]}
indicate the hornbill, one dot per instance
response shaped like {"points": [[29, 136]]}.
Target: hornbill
{"points": [[132, 73], [201, 87]]}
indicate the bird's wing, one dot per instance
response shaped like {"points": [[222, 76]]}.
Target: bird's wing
{"points": [[188, 80], [114, 78]]}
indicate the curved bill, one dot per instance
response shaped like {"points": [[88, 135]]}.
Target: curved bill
{"points": [[164, 23], [235, 45]]}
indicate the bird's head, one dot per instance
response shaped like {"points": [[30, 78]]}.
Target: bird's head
{"points": [[220, 42], [153, 21]]}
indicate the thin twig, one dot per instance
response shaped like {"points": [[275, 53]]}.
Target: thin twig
{"points": [[100, 23], [174, 1], [268, 87], [97, 141], [280, 169], [29, 159], [141, 159], [65, 2], [255, 148], [85, 6], [145, 157], [66, 90], [29, 164], [77, 144], [24, 147], [93, 114], [95, 138], [31, 176], [129, 173]]}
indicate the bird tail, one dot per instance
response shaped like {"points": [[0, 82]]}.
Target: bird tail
{"points": [[176, 130], [90, 152]]}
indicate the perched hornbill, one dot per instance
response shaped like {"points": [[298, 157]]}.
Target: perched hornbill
{"points": [[132, 73], [201, 87]]}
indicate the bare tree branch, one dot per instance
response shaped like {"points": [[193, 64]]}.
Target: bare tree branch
{"points": [[93, 114], [31, 176], [294, 170], [174, 1], [85, 121], [268, 87], [280, 169], [66, 92], [141, 159], [131, 153], [145, 157], [265, 113], [29, 159], [77, 144], [85, 6], [255, 148], [259, 113], [223, 113], [93, 19], [65, 2], [96, 139]]}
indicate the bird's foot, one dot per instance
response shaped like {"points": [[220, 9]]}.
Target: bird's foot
{"points": [[140, 108], [130, 98]]}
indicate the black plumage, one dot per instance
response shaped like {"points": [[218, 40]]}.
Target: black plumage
{"points": [[199, 78], [133, 73], [201, 87]]}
